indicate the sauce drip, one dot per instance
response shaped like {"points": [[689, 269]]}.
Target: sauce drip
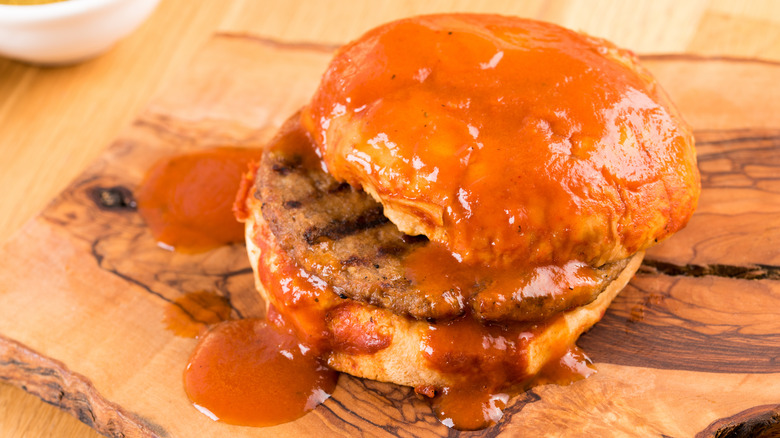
{"points": [[186, 200], [312, 309], [302, 299], [192, 313], [574, 365], [489, 363], [487, 360], [249, 372], [477, 404]]}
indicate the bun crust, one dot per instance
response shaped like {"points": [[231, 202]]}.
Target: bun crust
{"points": [[510, 141]]}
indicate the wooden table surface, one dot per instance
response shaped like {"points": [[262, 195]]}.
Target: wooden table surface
{"points": [[54, 121]]}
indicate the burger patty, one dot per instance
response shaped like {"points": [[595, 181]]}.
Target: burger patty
{"points": [[340, 234]]}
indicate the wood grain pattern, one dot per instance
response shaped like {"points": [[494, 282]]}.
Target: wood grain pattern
{"points": [[688, 343]]}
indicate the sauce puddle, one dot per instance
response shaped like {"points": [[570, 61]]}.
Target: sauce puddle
{"points": [[186, 200], [252, 373]]}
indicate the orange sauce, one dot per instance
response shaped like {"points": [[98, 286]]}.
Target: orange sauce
{"points": [[487, 361], [249, 372], [467, 347], [186, 200], [192, 313], [573, 365], [302, 300], [470, 407], [311, 308], [353, 330]]}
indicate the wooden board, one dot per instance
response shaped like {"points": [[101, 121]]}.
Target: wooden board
{"points": [[690, 347]]}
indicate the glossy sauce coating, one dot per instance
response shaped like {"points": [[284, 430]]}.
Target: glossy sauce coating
{"points": [[507, 140], [488, 361], [355, 331], [302, 300], [186, 200], [252, 373]]}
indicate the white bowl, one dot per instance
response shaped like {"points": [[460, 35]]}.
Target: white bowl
{"points": [[68, 31]]}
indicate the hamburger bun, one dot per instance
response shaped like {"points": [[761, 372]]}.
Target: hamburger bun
{"points": [[507, 140]]}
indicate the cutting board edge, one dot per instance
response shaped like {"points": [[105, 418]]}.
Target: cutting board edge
{"points": [[54, 383]]}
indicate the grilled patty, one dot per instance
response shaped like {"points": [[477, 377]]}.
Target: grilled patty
{"points": [[340, 234]]}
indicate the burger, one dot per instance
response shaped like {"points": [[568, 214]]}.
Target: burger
{"points": [[461, 199]]}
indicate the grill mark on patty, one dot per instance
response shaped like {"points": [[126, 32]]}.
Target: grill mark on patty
{"points": [[390, 250], [345, 227], [355, 261], [340, 188], [282, 169]]}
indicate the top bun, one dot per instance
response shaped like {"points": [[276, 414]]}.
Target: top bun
{"points": [[509, 141]]}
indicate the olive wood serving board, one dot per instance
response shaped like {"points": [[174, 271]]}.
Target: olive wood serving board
{"points": [[691, 347]]}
